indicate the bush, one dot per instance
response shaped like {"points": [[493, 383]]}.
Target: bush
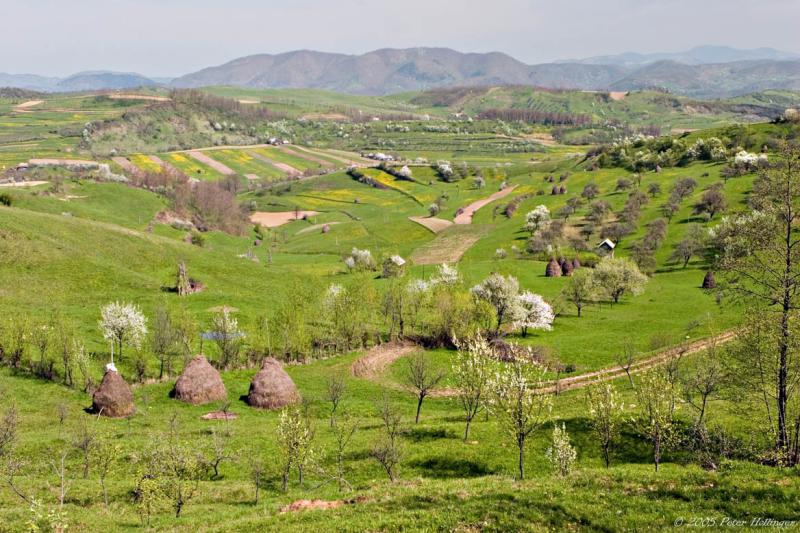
{"points": [[197, 238]]}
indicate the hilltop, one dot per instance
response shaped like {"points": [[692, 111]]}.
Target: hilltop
{"points": [[389, 71]]}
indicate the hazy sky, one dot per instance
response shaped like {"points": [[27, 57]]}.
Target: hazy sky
{"points": [[173, 37]]}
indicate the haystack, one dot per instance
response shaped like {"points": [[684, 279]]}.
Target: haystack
{"points": [[553, 269], [113, 397], [272, 388], [709, 282], [199, 383], [566, 267]]}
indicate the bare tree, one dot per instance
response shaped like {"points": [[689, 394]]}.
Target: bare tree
{"points": [[387, 449], [105, 453], [84, 442], [217, 452], [471, 371], [422, 378], [256, 473], [334, 393], [59, 466], [343, 430], [759, 255]]}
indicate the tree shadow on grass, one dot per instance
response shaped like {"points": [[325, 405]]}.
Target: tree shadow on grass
{"points": [[428, 434], [441, 467]]}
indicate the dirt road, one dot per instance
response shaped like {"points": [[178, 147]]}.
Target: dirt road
{"points": [[375, 362], [466, 216]]}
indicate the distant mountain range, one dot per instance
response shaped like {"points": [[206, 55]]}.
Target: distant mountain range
{"points": [[699, 55], [702, 72], [82, 81]]}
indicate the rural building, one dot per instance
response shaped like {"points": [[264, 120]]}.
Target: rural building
{"points": [[606, 247]]}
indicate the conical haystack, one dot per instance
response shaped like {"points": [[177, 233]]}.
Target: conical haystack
{"points": [[553, 269], [200, 383], [566, 267], [272, 387], [113, 397], [709, 282]]}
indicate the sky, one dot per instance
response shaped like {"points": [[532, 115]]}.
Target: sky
{"points": [[174, 37]]}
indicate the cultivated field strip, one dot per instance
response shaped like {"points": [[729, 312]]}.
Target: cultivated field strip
{"points": [[213, 163]]}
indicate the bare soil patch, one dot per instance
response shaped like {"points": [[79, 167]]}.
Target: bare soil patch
{"points": [[346, 158], [273, 220], [449, 245], [542, 138], [168, 167], [311, 505], [283, 167], [213, 163], [126, 165], [316, 227], [307, 156], [434, 224], [252, 177], [63, 163], [377, 359], [23, 183], [219, 415], [145, 97], [466, 216], [24, 107]]}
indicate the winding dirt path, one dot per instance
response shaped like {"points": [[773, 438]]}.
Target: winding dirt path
{"points": [[377, 359], [466, 216], [609, 373]]}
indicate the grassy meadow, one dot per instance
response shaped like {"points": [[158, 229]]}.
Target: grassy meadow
{"points": [[74, 244]]}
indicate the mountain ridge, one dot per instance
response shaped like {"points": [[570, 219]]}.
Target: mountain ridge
{"points": [[396, 70]]}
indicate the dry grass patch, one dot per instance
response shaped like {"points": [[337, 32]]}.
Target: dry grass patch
{"points": [[449, 245], [434, 224]]}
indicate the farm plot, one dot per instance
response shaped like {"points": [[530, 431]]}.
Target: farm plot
{"points": [[213, 163], [285, 159], [436, 225], [244, 162], [273, 164], [190, 167], [308, 156], [273, 220], [449, 245]]}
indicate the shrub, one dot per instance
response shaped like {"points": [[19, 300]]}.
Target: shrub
{"points": [[360, 260], [561, 454]]}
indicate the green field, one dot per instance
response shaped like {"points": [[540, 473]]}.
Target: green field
{"points": [[77, 242]]}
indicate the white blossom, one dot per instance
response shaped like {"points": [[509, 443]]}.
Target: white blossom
{"points": [[123, 322], [445, 275], [537, 219], [360, 260], [533, 312]]}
